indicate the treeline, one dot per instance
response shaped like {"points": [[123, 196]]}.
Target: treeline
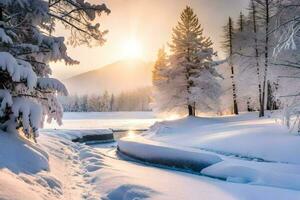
{"points": [[262, 56], [137, 100], [260, 71]]}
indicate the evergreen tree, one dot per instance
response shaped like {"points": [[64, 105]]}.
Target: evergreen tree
{"points": [[160, 80], [241, 22], [158, 73], [27, 93], [190, 78], [112, 102]]}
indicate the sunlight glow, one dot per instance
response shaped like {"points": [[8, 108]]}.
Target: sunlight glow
{"points": [[132, 49], [172, 117], [131, 134]]}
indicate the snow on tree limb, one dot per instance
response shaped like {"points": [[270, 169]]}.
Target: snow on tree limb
{"points": [[6, 101], [4, 37], [18, 70], [28, 113], [53, 85]]}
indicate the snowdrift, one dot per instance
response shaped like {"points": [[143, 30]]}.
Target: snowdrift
{"points": [[244, 136], [255, 175], [20, 156]]}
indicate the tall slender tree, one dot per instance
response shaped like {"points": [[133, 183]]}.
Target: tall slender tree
{"points": [[255, 31], [241, 22], [266, 9], [228, 47]]}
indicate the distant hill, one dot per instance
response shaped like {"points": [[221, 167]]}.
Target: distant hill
{"points": [[120, 76]]}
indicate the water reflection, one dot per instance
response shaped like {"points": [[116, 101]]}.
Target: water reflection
{"points": [[127, 133]]}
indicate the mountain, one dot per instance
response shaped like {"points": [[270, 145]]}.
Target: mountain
{"points": [[120, 76]]}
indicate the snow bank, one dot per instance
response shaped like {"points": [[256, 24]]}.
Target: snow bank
{"points": [[81, 133], [159, 154], [14, 188], [266, 176], [254, 151], [244, 136], [20, 156], [128, 192]]}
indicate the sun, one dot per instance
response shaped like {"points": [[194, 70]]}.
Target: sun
{"points": [[132, 49]]}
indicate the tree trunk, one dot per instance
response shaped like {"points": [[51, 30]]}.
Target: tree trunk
{"points": [[257, 57], [190, 109], [1, 13], [266, 58], [270, 96], [234, 96]]}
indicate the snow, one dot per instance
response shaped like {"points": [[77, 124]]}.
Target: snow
{"points": [[20, 156], [77, 134], [160, 154], [275, 175], [76, 171], [4, 37], [18, 70], [6, 101], [30, 112], [250, 150], [52, 84], [245, 136]]}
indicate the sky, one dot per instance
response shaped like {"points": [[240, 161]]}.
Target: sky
{"points": [[138, 28]]}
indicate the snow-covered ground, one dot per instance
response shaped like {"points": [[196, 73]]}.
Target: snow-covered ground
{"points": [[253, 151], [57, 168]]}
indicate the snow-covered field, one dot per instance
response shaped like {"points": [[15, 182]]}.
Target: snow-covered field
{"points": [[252, 151], [105, 120], [246, 159]]}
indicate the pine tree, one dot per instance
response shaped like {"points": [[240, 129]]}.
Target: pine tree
{"points": [[158, 73], [160, 80], [228, 47], [241, 22], [191, 58], [27, 93], [112, 103]]}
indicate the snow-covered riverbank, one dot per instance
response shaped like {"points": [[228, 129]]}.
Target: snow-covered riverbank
{"points": [[250, 150], [76, 171]]}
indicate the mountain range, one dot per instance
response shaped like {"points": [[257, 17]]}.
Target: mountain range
{"points": [[124, 75]]}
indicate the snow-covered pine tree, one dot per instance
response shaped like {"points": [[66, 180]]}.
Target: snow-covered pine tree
{"points": [[160, 81], [192, 77], [27, 93]]}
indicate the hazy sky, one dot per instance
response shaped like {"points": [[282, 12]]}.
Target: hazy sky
{"points": [[149, 23]]}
